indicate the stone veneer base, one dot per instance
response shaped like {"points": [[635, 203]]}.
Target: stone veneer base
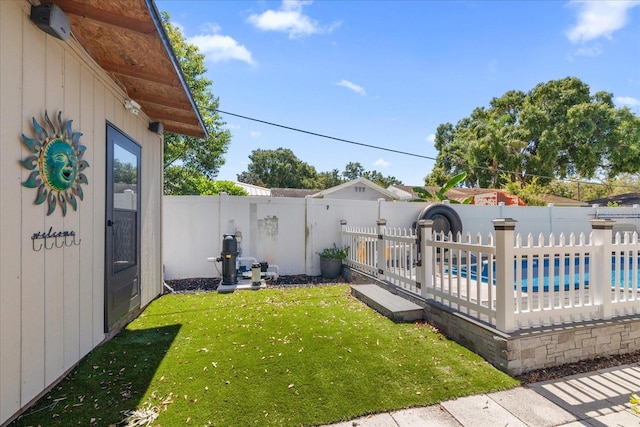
{"points": [[525, 350]]}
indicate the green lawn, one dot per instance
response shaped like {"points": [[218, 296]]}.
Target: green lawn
{"points": [[293, 357]]}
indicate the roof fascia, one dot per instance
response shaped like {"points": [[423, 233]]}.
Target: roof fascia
{"points": [[157, 21]]}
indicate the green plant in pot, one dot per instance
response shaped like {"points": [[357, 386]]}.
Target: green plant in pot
{"points": [[331, 261]]}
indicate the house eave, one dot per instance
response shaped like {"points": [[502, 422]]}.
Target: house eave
{"points": [[128, 41]]}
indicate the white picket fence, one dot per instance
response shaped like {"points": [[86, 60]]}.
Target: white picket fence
{"points": [[506, 280], [396, 248]]}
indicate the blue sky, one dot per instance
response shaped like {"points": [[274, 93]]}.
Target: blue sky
{"points": [[387, 73]]}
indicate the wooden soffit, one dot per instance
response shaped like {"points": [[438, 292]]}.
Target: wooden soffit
{"points": [[126, 39]]}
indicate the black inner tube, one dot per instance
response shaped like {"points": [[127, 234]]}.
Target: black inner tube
{"points": [[445, 219]]}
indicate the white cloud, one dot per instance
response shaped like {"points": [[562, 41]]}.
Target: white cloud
{"points": [[594, 50], [210, 28], [382, 163], [290, 19], [255, 134], [599, 18], [627, 100], [431, 138], [352, 86], [219, 48]]}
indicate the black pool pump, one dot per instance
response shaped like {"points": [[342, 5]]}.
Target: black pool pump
{"points": [[229, 258]]}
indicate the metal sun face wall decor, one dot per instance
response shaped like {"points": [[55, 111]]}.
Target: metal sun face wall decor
{"points": [[56, 164]]}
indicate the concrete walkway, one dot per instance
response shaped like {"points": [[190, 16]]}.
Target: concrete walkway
{"points": [[597, 399]]}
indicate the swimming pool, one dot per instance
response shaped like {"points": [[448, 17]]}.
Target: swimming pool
{"points": [[619, 274]]}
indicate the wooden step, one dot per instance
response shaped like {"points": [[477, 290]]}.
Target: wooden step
{"points": [[389, 305]]}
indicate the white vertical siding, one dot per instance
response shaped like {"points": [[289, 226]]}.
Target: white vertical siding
{"points": [[71, 284], [151, 206], [52, 301], [32, 45], [53, 78], [10, 205], [96, 196], [86, 229]]}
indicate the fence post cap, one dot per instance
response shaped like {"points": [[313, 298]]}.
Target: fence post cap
{"points": [[602, 224], [504, 224], [425, 223], [343, 222]]}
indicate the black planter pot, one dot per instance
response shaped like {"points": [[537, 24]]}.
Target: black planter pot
{"points": [[330, 267]]}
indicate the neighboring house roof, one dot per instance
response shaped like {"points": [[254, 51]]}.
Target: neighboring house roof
{"points": [[402, 192], [128, 41], [254, 190], [292, 192], [628, 199], [482, 195], [384, 193], [562, 201], [457, 193]]}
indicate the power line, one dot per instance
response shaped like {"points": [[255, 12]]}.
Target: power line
{"points": [[372, 146], [325, 136], [406, 153], [368, 145]]}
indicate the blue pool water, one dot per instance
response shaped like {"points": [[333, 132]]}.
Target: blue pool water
{"points": [[618, 271]]}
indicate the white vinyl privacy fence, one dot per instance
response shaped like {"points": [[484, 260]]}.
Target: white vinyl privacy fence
{"points": [[289, 232], [506, 280]]}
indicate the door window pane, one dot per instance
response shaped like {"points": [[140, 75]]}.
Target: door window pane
{"points": [[125, 178], [125, 197], [124, 239]]}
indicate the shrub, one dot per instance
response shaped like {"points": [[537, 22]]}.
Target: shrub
{"points": [[334, 252]]}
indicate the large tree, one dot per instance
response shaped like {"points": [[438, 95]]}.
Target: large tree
{"points": [[185, 182], [282, 169], [198, 156], [556, 130], [381, 180], [328, 179], [355, 170], [279, 169]]}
